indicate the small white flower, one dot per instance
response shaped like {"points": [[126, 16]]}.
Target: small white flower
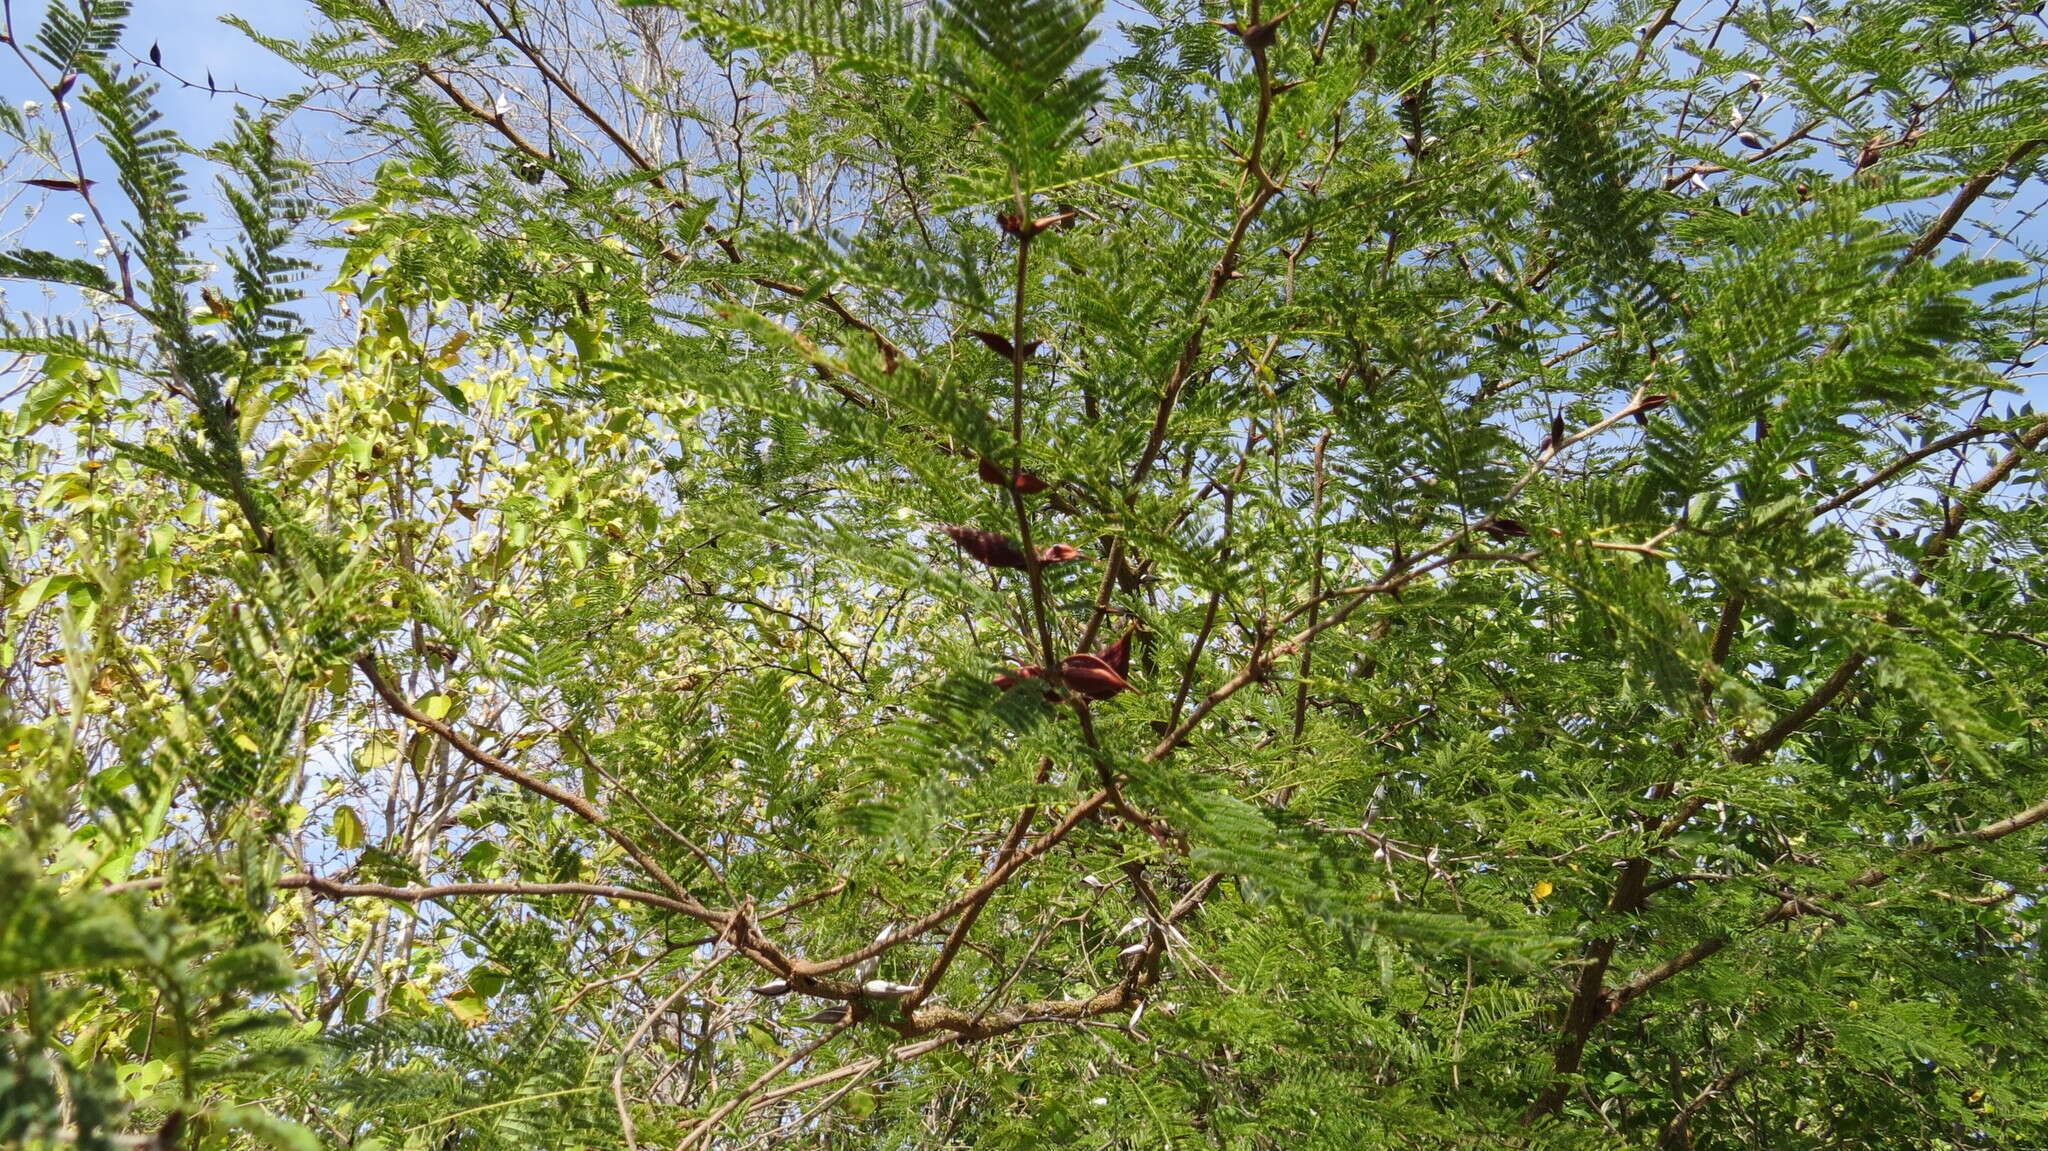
{"points": [[30, 107], [101, 250], [76, 217], [1101, 1101]]}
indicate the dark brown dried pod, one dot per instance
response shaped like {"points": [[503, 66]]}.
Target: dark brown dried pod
{"points": [[1504, 529], [1257, 37], [1652, 402], [1091, 677], [995, 342], [1001, 345], [997, 551], [994, 473], [58, 185]]}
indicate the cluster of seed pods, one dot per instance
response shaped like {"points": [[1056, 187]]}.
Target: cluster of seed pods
{"points": [[1092, 675]]}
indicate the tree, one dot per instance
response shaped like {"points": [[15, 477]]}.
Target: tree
{"points": [[1338, 577]]}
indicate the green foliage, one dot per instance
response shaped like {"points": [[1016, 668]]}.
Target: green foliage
{"points": [[1013, 573]]}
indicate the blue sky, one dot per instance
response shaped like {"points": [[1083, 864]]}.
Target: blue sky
{"points": [[194, 42]]}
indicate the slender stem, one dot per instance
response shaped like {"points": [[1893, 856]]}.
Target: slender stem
{"points": [[1034, 572]]}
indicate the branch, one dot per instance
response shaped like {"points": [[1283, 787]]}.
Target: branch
{"points": [[1220, 274], [1791, 908], [891, 352], [1684, 960], [1958, 511], [640, 1033], [1971, 191], [1789, 724], [958, 936], [704, 1127], [333, 889], [1674, 1134], [1899, 465], [569, 800], [996, 877]]}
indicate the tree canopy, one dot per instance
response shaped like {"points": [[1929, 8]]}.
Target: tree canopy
{"points": [[997, 573]]}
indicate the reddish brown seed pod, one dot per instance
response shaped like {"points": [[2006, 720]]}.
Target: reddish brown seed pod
{"points": [[1503, 529], [1001, 345], [994, 473], [989, 548], [998, 344], [1009, 679], [1118, 655], [1091, 677], [999, 551]]}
